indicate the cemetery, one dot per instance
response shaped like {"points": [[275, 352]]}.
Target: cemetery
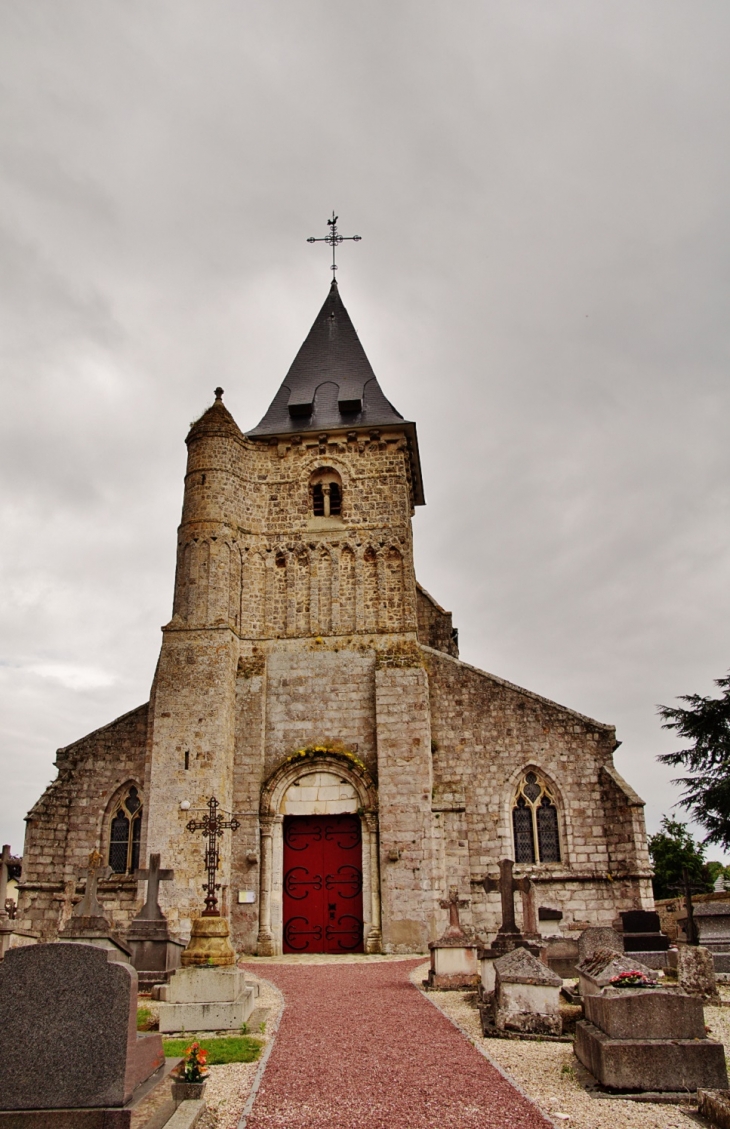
{"points": [[172, 1034], [227, 897]]}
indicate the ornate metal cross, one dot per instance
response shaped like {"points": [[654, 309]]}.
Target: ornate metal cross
{"points": [[89, 904], [334, 238], [212, 825], [508, 886], [153, 876], [688, 889]]}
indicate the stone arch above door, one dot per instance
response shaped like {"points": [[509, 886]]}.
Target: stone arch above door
{"points": [[316, 783], [345, 767]]}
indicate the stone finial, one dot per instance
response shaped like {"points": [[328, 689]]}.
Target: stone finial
{"points": [[218, 393]]}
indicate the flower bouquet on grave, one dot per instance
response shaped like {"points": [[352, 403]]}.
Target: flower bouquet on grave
{"points": [[193, 1075], [633, 979]]}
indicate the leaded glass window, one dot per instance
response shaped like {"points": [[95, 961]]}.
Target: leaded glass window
{"points": [[125, 833], [535, 822], [524, 834]]}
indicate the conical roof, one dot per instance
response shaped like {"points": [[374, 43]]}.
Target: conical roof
{"points": [[331, 383], [215, 420]]}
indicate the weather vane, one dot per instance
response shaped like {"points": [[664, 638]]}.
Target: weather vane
{"points": [[334, 238]]}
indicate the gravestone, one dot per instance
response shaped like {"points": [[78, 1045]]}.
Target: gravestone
{"points": [[508, 936], [595, 938], [712, 920], [454, 955], [648, 1040], [548, 921], [87, 923], [68, 1015], [526, 995], [596, 971], [154, 953], [696, 973], [642, 933]]}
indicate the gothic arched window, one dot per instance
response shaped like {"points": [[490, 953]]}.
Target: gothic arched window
{"points": [[535, 822], [125, 831]]}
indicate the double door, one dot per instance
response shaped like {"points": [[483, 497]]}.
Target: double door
{"points": [[322, 884]]}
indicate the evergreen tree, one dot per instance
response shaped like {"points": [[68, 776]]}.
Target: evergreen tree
{"points": [[706, 724], [671, 849]]}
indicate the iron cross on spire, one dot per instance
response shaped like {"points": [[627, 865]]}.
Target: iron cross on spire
{"points": [[212, 825], [334, 238]]}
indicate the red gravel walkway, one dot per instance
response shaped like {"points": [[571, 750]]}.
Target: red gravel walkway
{"points": [[360, 1048]]}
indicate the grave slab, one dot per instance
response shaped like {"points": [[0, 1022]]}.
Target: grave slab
{"points": [[597, 971], [526, 995]]}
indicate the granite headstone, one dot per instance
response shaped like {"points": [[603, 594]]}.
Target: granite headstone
{"points": [[68, 1016]]}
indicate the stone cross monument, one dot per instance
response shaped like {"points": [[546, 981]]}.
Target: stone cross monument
{"points": [[153, 876], [453, 904], [89, 905]]}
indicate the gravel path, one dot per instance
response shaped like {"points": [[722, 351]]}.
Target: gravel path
{"points": [[360, 1048]]}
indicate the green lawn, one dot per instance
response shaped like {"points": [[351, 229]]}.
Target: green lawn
{"points": [[234, 1048]]}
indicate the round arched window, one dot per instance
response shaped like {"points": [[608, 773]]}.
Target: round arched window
{"points": [[325, 487]]}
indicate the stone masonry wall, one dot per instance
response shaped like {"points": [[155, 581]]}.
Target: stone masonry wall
{"points": [[486, 733], [70, 820], [252, 554], [435, 628], [405, 780]]}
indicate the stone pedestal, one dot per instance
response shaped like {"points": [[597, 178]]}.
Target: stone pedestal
{"points": [[648, 1040], [11, 938], [526, 995], [209, 944], [205, 999], [453, 965], [597, 971], [71, 1053], [153, 952], [696, 973]]}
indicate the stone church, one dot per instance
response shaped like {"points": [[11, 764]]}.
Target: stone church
{"points": [[314, 688]]}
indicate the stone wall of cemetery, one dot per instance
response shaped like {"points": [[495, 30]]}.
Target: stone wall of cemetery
{"points": [[486, 734], [71, 820]]}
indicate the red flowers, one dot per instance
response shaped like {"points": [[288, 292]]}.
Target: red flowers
{"points": [[194, 1067]]}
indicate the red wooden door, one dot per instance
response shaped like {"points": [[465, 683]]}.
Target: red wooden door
{"points": [[322, 884]]}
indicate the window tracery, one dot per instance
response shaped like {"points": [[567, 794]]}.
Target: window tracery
{"points": [[535, 822], [125, 832]]}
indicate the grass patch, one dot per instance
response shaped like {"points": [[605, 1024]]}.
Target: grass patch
{"points": [[233, 1048], [144, 1019]]}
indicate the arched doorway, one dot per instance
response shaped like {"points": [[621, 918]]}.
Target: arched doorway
{"points": [[320, 887]]}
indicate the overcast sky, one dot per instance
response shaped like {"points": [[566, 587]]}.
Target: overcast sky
{"points": [[542, 284]]}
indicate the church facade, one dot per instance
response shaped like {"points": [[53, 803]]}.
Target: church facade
{"points": [[309, 684]]}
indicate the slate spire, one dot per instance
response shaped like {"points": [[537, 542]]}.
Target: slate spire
{"points": [[331, 383]]}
